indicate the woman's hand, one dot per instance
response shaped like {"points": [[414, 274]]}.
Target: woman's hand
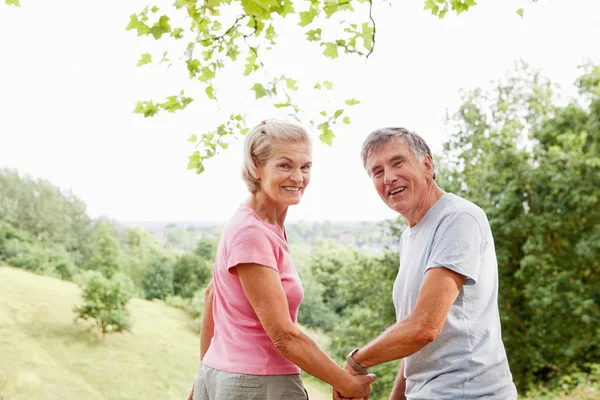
{"points": [[357, 387]]}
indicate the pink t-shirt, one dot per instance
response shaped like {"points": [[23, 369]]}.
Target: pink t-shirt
{"points": [[240, 344]]}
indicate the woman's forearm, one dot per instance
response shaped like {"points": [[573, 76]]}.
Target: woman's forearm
{"points": [[299, 348], [208, 323]]}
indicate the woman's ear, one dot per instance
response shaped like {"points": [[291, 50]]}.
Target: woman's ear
{"points": [[257, 168]]}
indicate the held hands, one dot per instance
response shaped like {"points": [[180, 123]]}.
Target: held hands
{"points": [[359, 386]]}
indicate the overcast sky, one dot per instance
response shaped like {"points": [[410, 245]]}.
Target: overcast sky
{"points": [[69, 82]]}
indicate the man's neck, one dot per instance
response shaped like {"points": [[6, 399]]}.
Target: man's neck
{"points": [[434, 193]]}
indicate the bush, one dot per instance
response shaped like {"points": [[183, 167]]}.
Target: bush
{"points": [[49, 259], [157, 280], [190, 274], [105, 301]]}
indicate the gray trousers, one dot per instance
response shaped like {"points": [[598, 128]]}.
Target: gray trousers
{"points": [[212, 384]]}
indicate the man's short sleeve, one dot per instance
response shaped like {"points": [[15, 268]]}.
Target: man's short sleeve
{"points": [[458, 245], [251, 245]]}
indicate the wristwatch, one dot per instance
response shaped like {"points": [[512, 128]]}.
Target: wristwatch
{"points": [[354, 365]]}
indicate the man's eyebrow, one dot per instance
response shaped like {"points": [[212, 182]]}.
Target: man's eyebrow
{"points": [[398, 157]]}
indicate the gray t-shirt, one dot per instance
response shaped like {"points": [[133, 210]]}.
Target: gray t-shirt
{"points": [[467, 360]]}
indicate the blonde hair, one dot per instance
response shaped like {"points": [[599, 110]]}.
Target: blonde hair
{"points": [[258, 146]]}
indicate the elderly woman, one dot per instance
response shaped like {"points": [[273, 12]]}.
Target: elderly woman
{"points": [[251, 347]]}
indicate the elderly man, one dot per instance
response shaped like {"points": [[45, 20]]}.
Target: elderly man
{"points": [[446, 293]]}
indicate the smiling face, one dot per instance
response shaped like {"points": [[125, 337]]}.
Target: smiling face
{"points": [[401, 181], [285, 176]]}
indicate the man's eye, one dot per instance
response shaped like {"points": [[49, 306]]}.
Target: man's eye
{"points": [[377, 173], [397, 163], [306, 167]]}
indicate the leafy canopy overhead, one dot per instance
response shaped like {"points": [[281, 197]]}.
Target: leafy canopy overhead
{"points": [[221, 33]]}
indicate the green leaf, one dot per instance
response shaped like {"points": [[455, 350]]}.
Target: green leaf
{"points": [[431, 5], [307, 17], [323, 113], [287, 8], [224, 146], [210, 92], [367, 36], [352, 102], [15, 3], [331, 50], [346, 120], [256, 8], [154, 9], [250, 63], [139, 26], [259, 90], [291, 84], [193, 138], [146, 59], [328, 85], [314, 35], [318, 86], [206, 74], [520, 12], [161, 27], [327, 135], [338, 113]]}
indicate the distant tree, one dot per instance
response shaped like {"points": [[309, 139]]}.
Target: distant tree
{"points": [[157, 279], [534, 167], [207, 247], [141, 249], [190, 274], [105, 301], [105, 249]]}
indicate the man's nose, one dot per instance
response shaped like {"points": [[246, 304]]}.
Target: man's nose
{"points": [[389, 177]]}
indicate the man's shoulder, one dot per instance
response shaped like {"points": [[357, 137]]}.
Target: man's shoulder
{"points": [[457, 205]]}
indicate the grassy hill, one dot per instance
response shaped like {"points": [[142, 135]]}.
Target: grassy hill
{"points": [[45, 355]]}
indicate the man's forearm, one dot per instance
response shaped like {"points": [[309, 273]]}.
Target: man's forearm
{"points": [[399, 388], [398, 341]]}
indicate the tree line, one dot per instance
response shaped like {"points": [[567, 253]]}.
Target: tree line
{"points": [[530, 159]]}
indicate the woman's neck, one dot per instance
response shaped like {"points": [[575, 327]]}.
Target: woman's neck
{"points": [[266, 209]]}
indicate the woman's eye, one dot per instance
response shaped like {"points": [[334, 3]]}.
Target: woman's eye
{"points": [[286, 166], [306, 167]]}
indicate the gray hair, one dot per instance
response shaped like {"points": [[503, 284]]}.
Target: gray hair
{"points": [[258, 146], [380, 137]]}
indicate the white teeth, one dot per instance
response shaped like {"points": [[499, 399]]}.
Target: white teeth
{"points": [[397, 190], [291, 189]]}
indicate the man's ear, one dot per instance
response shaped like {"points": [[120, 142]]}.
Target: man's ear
{"points": [[428, 163]]}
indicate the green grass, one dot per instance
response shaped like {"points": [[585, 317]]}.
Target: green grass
{"points": [[44, 354]]}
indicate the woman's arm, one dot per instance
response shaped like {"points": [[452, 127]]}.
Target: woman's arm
{"points": [[208, 323], [262, 286]]}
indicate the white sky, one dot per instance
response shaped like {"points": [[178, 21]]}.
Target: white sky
{"points": [[68, 84]]}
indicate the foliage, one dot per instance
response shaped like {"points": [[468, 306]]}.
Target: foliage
{"points": [[157, 279], [579, 385], [141, 248], [105, 249], [207, 248], [218, 34], [534, 167], [105, 301], [190, 274], [44, 211]]}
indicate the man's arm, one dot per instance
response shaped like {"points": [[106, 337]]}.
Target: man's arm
{"points": [[208, 323], [399, 389], [438, 292]]}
